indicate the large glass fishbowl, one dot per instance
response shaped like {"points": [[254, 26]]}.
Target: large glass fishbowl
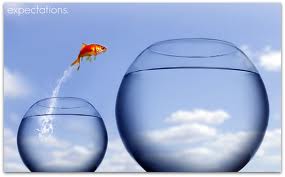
{"points": [[192, 105], [62, 134]]}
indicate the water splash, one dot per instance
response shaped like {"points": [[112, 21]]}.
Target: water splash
{"points": [[46, 129]]}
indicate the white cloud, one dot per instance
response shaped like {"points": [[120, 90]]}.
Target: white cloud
{"points": [[61, 154], [187, 133], [14, 167], [199, 115], [271, 60], [64, 154], [268, 157], [117, 159], [70, 157], [191, 126], [53, 142], [9, 137], [12, 159], [272, 140], [268, 59], [195, 135], [11, 152], [10, 148], [209, 153], [197, 128], [15, 85], [48, 142], [56, 152]]}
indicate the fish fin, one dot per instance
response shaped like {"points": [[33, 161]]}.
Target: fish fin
{"points": [[78, 67], [83, 45], [77, 61], [94, 58]]}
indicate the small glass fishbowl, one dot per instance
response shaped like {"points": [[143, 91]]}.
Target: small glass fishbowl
{"points": [[192, 105], [62, 134]]}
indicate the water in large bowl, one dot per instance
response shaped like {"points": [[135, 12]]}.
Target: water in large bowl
{"points": [[192, 105], [70, 138]]}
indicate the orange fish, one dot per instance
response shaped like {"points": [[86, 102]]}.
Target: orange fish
{"points": [[88, 50]]}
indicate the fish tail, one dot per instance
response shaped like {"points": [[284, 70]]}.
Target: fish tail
{"points": [[77, 61]]}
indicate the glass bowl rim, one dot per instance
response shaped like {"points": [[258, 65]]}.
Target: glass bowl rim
{"points": [[216, 41], [37, 104]]}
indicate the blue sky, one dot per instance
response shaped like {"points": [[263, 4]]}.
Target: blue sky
{"points": [[38, 48]]}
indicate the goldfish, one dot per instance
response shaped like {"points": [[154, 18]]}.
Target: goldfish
{"points": [[88, 50]]}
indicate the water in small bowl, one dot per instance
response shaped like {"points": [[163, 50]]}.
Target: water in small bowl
{"points": [[75, 142], [182, 109]]}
